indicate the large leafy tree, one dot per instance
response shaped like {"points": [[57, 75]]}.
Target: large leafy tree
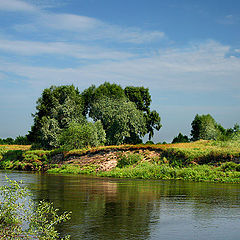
{"points": [[141, 98], [120, 119], [56, 108], [205, 127]]}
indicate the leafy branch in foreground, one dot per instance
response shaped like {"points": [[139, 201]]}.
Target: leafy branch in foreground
{"points": [[20, 218]]}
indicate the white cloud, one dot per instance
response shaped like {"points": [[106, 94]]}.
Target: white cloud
{"points": [[198, 68], [69, 22], [76, 27], [72, 26], [29, 48], [16, 5]]}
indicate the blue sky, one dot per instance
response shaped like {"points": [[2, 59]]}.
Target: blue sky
{"points": [[186, 52]]}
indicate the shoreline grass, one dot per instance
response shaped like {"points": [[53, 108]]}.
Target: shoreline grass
{"points": [[146, 170]]}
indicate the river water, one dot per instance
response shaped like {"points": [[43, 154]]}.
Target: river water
{"points": [[106, 208]]}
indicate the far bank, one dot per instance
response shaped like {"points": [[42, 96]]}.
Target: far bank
{"points": [[200, 161]]}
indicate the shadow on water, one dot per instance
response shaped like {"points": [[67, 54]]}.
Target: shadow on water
{"points": [[139, 209]]}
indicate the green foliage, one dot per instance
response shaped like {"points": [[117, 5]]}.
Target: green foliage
{"points": [[7, 141], [101, 134], [230, 166], [50, 132], [13, 155], [59, 106], [119, 119], [142, 99], [180, 139], [2, 152], [153, 121], [72, 169], [21, 160], [18, 211], [205, 127], [231, 134], [56, 108], [21, 140], [149, 142], [78, 136], [198, 173], [138, 95], [94, 94], [128, 159]]}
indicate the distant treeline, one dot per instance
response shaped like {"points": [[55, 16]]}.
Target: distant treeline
{"points": [[20, 140], [205, 127]]}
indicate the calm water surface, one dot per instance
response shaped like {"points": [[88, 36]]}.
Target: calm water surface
{"points": [[136, 209]]}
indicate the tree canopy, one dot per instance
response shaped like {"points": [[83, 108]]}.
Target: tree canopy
{"points": [[78, 135], [205, 127], [93, 94], [124, 113], [180, 139], [56, 108], [120, 119], [139, 96]]}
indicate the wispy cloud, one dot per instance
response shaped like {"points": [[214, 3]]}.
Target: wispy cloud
{"points": [[31, 48], [228, 20], [198, 68], [16, 5], [84, 28], [77, 27], [69, 22]]}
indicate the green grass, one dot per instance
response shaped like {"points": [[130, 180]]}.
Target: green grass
{"points": [[199, 173], [24, 160], [73, 169]]}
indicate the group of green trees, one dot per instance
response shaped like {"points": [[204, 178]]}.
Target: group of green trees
{"points": [[205, 127], [20, 140], [107, 114]]}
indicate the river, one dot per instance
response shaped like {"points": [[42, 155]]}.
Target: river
{"points": [[104, 208]]}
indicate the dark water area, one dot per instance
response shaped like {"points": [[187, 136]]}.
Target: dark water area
{"points": [[106, 208]]}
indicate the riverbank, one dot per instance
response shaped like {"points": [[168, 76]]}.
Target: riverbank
{"points": [[197, 161]]}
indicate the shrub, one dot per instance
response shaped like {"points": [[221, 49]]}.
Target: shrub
{"points": [[17, 211], [149, 142], [129, 159], [83, 135], [230, 166], [180, 139]]}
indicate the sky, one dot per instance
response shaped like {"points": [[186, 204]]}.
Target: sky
{"points": [[186, 52]]}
